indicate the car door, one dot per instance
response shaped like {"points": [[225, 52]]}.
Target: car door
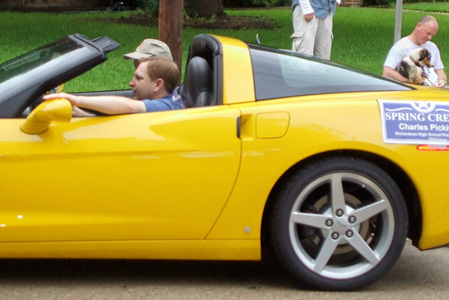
{"points": [[152, 176]]}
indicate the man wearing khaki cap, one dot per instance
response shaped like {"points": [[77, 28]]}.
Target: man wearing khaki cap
{"points": [[149, 48]]}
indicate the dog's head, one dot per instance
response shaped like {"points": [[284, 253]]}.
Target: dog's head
{"points": [[423, 56]]}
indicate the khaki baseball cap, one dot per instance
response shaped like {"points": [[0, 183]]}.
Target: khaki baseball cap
{"points": [[148, 48]]}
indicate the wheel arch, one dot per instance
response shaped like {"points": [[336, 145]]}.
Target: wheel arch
{"points": [[403, 181]]}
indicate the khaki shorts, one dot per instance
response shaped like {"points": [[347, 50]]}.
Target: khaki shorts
{"points": [[313, 37]]}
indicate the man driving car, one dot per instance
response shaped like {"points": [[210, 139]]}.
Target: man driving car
{"points": [[153, 86]]}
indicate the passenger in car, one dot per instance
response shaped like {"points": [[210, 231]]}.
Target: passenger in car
{"points": [[149, 48], [153, 87]]}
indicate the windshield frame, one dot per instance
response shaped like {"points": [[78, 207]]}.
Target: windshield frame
{"points": [[32, 81]]}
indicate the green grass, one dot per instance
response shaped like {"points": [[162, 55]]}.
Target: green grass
{"points": [[362, 37], [429, 7]]}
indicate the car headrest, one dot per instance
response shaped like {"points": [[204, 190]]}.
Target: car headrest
{"points": [[197, 87]]}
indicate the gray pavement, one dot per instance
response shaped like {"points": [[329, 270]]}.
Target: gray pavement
{"points": [[417, 275]]}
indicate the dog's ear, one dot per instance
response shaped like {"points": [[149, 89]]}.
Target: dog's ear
{"points": [[424, 53], [425, 57]]}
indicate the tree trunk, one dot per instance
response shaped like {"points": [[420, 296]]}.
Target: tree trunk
{"points": [[204, 8], [171, 27]]}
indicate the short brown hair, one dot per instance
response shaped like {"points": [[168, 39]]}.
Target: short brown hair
{"points": [[164, 68]]}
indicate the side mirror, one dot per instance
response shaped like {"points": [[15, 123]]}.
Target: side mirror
{"points": [[56, 110]]}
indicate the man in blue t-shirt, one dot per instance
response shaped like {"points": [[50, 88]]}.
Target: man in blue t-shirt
{"points": [[153, 87]]}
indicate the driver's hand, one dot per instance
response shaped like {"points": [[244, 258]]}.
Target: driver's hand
{"points": [[73, 99]]}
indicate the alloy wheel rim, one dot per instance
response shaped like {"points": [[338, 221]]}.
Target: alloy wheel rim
{"points": [[354, 202]]}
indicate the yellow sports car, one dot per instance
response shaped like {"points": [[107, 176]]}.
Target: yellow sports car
{"points": [[329, 167]]}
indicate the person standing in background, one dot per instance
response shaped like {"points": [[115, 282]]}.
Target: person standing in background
{"points": [[425, 30], [312, 23]]}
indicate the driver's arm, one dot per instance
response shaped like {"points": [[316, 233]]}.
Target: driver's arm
{"points": [[111, 105], [78, 112]]}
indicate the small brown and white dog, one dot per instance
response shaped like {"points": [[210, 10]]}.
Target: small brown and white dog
{"points": [[411, 67]]}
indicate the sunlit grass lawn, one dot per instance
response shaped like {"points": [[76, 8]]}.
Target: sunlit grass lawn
{"points": [[428, 7], [362, 37]]}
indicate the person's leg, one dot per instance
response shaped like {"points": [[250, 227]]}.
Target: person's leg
{"points": [[305, 32], [324, 36]]}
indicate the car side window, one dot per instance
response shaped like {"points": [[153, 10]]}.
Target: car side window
{"points": [[280, 74]]}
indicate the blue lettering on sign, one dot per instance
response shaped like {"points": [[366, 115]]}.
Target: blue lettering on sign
{"points": [[415, 122]]}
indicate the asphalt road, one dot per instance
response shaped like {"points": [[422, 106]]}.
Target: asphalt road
{"points": [[417, 275]]}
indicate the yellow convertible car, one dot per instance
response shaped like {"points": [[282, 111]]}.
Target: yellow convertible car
{"points": [[328, 168]]}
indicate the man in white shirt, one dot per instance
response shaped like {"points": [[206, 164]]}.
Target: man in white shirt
{"points": [[424, 31]]}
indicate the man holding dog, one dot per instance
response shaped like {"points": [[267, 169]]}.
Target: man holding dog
{"points": [[424, 31]]}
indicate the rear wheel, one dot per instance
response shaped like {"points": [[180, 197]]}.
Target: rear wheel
{"points": [[339, 224]]}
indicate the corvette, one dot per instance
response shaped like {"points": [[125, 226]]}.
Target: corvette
{"points": [[329, 167]]}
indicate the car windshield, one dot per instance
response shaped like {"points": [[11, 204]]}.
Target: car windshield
{"points": [[35, 58], [296, 75]]}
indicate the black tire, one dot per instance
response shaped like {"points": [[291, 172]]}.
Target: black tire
{"points": [[331, 244]]}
